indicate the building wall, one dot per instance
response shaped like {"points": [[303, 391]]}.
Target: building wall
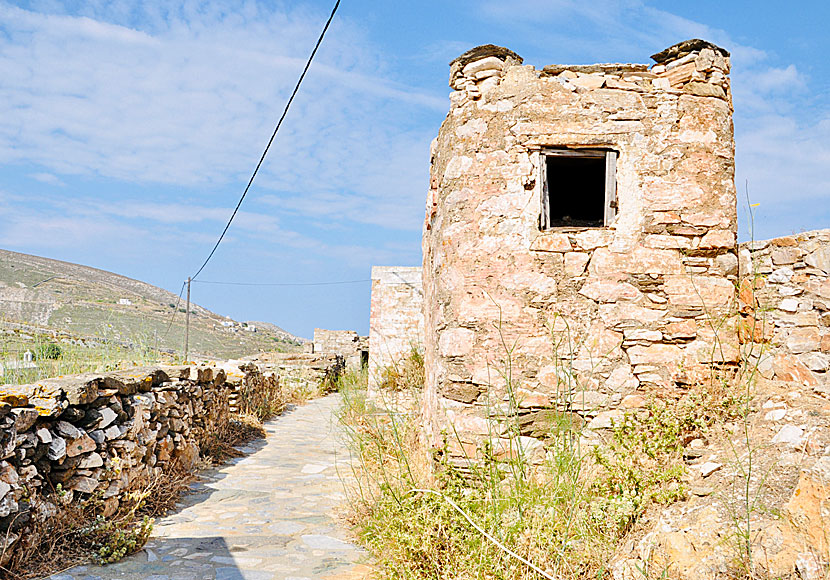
{"points": [[520, 320], [346, 343], [396, 322], [784, 301]]}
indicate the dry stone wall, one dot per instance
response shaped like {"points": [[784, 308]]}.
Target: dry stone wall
{"points": [[105, 434], [519, 313], [785, 307], [396, 324], [302, 371]]}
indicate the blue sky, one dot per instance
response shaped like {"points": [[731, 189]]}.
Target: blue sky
{"points": [[128, 130]]}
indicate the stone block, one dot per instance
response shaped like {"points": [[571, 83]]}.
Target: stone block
{"points": [[803, 340], [552, 243], [456, 342]]}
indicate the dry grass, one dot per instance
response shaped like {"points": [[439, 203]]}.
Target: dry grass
{"points": [[77, 533], [221, 445], [405, 375], [566, 512]]}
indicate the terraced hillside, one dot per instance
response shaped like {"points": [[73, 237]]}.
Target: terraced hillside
{"points": [[94, 306]]}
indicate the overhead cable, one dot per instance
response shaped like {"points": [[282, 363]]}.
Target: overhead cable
{"points": [[283, 283], [270, 141]]}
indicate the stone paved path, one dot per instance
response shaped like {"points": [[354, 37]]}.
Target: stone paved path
{"points": [[266, 516]]}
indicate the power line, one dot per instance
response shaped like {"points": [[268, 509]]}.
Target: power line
{"points": [[264, 153], [283, 283]]}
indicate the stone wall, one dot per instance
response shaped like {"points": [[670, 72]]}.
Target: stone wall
{"points": [[346, 343], [302, 371], [396, 324], [105, 433], [785, 306], [518, 314]]}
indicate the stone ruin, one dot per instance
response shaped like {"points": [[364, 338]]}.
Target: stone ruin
{"points": [[580, 257], [396, 323], [580, 230], [346, 343]]}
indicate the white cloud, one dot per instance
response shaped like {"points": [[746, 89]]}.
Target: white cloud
{"points": [[48, 178], [187, 93]]}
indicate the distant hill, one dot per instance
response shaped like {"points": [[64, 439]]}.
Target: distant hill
{"points": [[100, 305]]}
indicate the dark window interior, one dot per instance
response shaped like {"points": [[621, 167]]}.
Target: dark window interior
{"points": [[576, 190]]}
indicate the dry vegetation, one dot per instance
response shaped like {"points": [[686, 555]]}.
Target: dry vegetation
{"points": [[564, 513]]}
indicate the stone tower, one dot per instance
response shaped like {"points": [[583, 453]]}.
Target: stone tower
{"points": [[580, 237]]}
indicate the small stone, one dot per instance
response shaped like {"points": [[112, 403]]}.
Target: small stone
{"points": [[789, 435], [4, 489], [24, 419], [702, 490], [605, 420], [98, 436], [90, 461], [43, 435], [805, 339], [83, 444], [82, 484], [587, 400], [487, 63], [816, 361], [781, 276], [788, 305], [789, 291], [709, 468], [67, 430], [633, 402], [112, 432], [57, 449], [775, 415], [107, 417]]}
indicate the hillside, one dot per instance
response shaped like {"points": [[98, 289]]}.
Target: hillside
{"points": [[95, 306]]}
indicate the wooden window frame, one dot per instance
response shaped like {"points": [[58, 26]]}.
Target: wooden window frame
{"points": [[610, 156]]}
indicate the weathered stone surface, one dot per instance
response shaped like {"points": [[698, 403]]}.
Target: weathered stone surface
{"points": [[24, 419], [547, 422], [396, 324], [686, 47], [788, 368], [461, 392], [83, 444], [456, 342], [82, 484], [57, 449], [803, 340], [485, 51], [90, 461]]}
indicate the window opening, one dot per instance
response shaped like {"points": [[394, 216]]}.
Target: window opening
{"points": [[579, 188]]}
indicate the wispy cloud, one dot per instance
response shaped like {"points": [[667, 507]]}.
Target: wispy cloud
{"points": [[186, 94]]}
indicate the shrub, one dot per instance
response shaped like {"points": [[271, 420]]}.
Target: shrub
{"points": [[48, 351]]}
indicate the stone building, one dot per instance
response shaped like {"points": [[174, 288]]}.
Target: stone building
{"points": [[396, 323], [347, 343], [580, 237]]}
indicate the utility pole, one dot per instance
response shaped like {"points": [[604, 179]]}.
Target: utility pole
{"points": [[187, 322]]}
